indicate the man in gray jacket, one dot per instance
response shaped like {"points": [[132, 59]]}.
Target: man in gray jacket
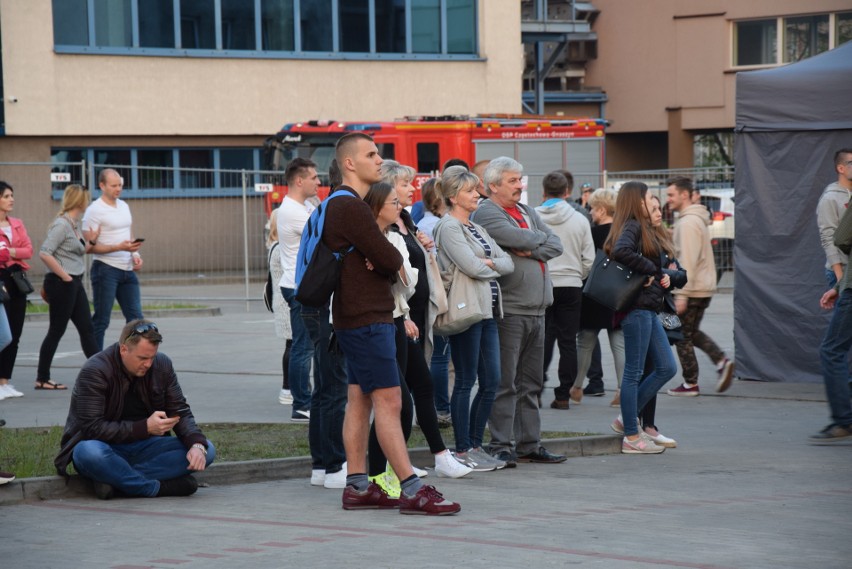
{"points": [[830, 208], [527, 292]]}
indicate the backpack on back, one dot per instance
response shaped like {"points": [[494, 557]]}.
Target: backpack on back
{"points": [[317, 266]]}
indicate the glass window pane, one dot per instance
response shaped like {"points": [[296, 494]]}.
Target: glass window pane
{"points": [[155, 169], [461, 26], [60, 158], [238, 24], [198, 24], [843, 33], [387, 150], [390, 26], [235, 159], [426, 26], [316, 25], [756, 42], [112, 23], [70, 22], [156, 23], [277, 25], [107, 157], [354, 21], [805, 37], [189, 176], [427, 157]]}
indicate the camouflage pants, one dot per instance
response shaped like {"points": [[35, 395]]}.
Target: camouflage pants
{"points": [[693, 337]]}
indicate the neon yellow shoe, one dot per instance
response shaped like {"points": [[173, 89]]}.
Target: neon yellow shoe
{"points": [[389, 482]]}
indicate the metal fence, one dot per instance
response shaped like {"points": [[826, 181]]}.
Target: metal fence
{"points": [[209, 226]]}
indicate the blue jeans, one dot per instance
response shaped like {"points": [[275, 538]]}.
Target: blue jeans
{"points": [[644, 336], [478, 344], [301, 354], [830, 278], [5, 330], [440, 368], [834, 357], [328, 401], [110, 285], [136, 468]]}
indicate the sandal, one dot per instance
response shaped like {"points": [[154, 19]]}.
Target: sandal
{"points": [[49, 385]]}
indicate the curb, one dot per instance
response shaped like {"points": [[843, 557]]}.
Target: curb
{"points": [[267, 470], [150, 314]]}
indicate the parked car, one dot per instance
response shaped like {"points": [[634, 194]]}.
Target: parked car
{"points": [[720, 203]]}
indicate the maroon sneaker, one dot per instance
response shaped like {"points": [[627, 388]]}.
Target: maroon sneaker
{"points": [[373, 498], [427, 502]]}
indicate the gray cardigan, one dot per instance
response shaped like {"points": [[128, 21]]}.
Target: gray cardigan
{"points": [[528, 290], [457, 247]]}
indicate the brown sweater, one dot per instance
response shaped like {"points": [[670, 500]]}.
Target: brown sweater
{"points": [[362, 297]]}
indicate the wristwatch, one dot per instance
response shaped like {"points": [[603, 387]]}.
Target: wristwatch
{"points": [[92, 243], [200, 447]]}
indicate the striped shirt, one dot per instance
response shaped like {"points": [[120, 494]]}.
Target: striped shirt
{"points": [[487, 246]]}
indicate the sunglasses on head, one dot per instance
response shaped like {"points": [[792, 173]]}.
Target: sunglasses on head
{"points": [[141, 329]]}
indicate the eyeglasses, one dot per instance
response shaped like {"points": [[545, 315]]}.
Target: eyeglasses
{"points": [[142, 329], [394, 203]]}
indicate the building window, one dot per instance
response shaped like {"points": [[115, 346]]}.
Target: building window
{"points": [[805, 37], [156, 170], [119, 160], [196, 169], [306, 29], [427, 157], [843, 28], [756, 42]]}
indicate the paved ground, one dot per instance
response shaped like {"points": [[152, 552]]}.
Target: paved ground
{"points": [[744, 489]]}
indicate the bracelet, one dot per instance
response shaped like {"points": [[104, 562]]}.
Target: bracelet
{"points": [[200, 447], [92, 243]]}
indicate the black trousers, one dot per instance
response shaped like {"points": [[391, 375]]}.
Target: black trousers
{"points": [[562, 323], [68, 302]]}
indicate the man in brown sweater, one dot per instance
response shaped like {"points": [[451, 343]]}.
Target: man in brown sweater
{"points": [[362, 311]]}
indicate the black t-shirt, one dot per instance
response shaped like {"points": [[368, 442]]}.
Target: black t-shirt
{"points": [[134, 407]]}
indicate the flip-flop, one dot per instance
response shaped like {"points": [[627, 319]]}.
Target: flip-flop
{"points": [[53, 386]]}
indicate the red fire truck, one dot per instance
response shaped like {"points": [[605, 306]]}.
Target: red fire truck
{"points": [[541, 144]]}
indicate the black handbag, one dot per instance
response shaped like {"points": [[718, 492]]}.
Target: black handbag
{"points": [[22, 282], [612, 284]]}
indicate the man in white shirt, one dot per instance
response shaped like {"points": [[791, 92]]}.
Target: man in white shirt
{"points": [[302, 183], [107, 225]]}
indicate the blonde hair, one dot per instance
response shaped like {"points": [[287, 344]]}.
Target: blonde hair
{"points": [[75, 196], [604, 198], [393, 172], [272, 236], [453, 180]]}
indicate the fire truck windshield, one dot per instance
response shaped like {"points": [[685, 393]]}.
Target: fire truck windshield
{"points": [[285, 147]]}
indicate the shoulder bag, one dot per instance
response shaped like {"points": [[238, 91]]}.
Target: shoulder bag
{"points": [[612, 284], [463, 306], [437, 285]]}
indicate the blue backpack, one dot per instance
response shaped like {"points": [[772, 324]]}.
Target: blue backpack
{"points": [[317, 266]]}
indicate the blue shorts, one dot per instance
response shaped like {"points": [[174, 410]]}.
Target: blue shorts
{"points": [[370, 356]]}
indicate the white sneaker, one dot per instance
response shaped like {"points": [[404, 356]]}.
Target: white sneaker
{"points": [[318, 477], [419, 472], [4, 394], [661, 440], [448, 467], [285, 397], [11, 391], [336, 480]]}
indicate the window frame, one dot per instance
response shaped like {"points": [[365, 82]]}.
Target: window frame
{"points": [[259, 53]]}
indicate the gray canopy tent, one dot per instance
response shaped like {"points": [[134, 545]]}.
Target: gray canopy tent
{"points": [[789, 122]]}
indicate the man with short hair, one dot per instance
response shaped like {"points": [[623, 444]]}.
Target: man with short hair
{"points": [[362, 310], [479, 170], [695, 254], [302, 183], [830, 208], [567, 271], [125, 402], [108, 227], [515, 422]]}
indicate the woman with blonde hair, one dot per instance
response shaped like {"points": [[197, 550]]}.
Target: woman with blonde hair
{"points": [[63, 252], [280, 308]]}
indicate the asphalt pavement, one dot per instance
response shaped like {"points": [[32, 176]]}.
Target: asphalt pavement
{"points": [[744, 489]]}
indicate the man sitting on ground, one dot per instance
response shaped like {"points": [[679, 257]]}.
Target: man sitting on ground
{"points": [[125, 402]]}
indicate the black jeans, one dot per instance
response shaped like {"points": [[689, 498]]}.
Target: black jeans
{"points": [[68, 301], [562, 322]]}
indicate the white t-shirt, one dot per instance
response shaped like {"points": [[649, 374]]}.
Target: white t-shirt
{"points": [[292, 217], [115, 224]]}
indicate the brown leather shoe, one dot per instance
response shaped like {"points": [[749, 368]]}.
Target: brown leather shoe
{"points": [[560, 404]]}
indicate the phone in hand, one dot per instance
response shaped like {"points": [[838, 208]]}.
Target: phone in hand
{"points": [[139, 240]]}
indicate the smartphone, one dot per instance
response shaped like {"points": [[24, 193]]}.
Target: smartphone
{"points": [[138, 240], [178, 412]]}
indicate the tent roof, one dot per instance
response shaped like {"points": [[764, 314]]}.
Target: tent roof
{"points": [[813, 94]]}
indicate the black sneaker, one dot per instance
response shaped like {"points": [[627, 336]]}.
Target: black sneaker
{"points": [[104, 491], [182, 486], [300, 416], [594, 389], [832, 434]]}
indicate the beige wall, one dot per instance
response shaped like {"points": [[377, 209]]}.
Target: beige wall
{"points": [[659, 54], [68, 95]]}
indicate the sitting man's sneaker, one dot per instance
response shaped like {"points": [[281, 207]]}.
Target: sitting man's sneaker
{"points": [[373, 498], [336, 480], [506, 456], [427, 502], [103, 491], [6, 477], [684, 390], [300, 416], [542, 455], [318, 477], [726, 375], [181, 486], [594, 389], [832, 434]]}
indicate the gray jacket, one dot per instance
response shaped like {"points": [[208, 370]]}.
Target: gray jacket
{"points": [[831, 206], [528, 290]]}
